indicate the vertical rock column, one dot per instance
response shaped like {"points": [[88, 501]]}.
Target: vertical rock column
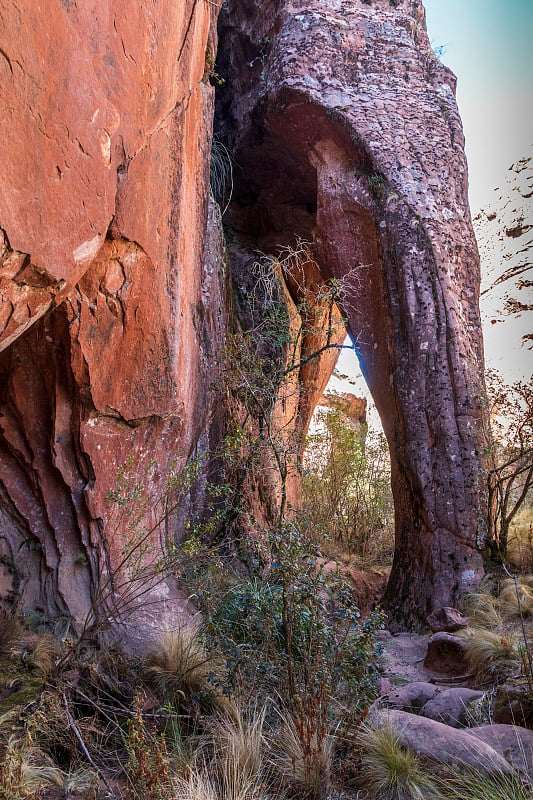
{"points": [[343, 109]]}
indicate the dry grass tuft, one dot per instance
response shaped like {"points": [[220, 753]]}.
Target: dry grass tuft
{"points": [[200, 785], [388, 770], [508, 601], [179, 664], [306, 772], [10, 632], [493, 655], [25, 771], [239, 745], [483, 611], [39, 652], [196, 786], [476, 786]]}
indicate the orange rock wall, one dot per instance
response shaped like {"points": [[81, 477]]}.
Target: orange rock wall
{"points": [[111, 295]]}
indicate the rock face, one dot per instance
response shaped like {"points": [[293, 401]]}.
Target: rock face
{"points": [[346, 133], [112, 307]]}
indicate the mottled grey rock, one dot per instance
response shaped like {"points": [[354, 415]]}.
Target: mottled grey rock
{"points": [[450, 705], [446, 619], [411, 697]]}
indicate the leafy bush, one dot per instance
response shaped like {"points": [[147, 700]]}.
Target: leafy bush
{"points": [[294, 633]]}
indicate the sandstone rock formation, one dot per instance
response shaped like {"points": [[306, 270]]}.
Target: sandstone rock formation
{"points": [[112, 307], [345, 132]]}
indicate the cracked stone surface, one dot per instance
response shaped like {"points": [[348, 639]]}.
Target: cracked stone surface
{"points": [[345, 131], [112, 297]]}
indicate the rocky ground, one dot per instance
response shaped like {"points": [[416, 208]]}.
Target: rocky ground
{"points": [[440, 712]]}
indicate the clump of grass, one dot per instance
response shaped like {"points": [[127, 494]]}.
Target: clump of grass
{"points": [[10, 632], [483, 611], [196, 786], [492, 655], [388, 770], [306, 769], [26, 770], [476, 786], [508, 600], [199, 784], [39, 652], [239, 744], [180, 666]]}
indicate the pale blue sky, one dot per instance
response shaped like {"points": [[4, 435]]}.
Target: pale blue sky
{"points": [[490, 49]]}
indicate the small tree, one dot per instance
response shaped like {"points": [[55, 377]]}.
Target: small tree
{"points": [[346, 487], [272, 342], [510, 475]]}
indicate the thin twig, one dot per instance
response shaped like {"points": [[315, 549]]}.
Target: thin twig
{"points": [[78, 736]]}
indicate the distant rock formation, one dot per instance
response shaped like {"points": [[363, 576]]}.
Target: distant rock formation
{"points": [[352, 406]]}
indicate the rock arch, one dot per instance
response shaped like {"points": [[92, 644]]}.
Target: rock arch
{"points": [[344, 129]]}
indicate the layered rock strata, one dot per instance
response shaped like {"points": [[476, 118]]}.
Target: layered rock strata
{"points": [[112, 309]]}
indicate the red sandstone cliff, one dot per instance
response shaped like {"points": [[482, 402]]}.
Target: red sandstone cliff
{"points": [[345, 132], [112, 298]]}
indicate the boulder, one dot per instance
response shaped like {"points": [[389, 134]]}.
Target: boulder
{"points": [[403, 658], [446, 654], [513, 706], [441, 747], [513, 743], [446, 619], [450, 705], [411, 697]]}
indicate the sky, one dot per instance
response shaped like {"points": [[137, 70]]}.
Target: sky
{"points": [[489, 46]]}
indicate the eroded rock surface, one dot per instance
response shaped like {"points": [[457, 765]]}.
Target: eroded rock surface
{"points": [[346, 133], [111, 267]]}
